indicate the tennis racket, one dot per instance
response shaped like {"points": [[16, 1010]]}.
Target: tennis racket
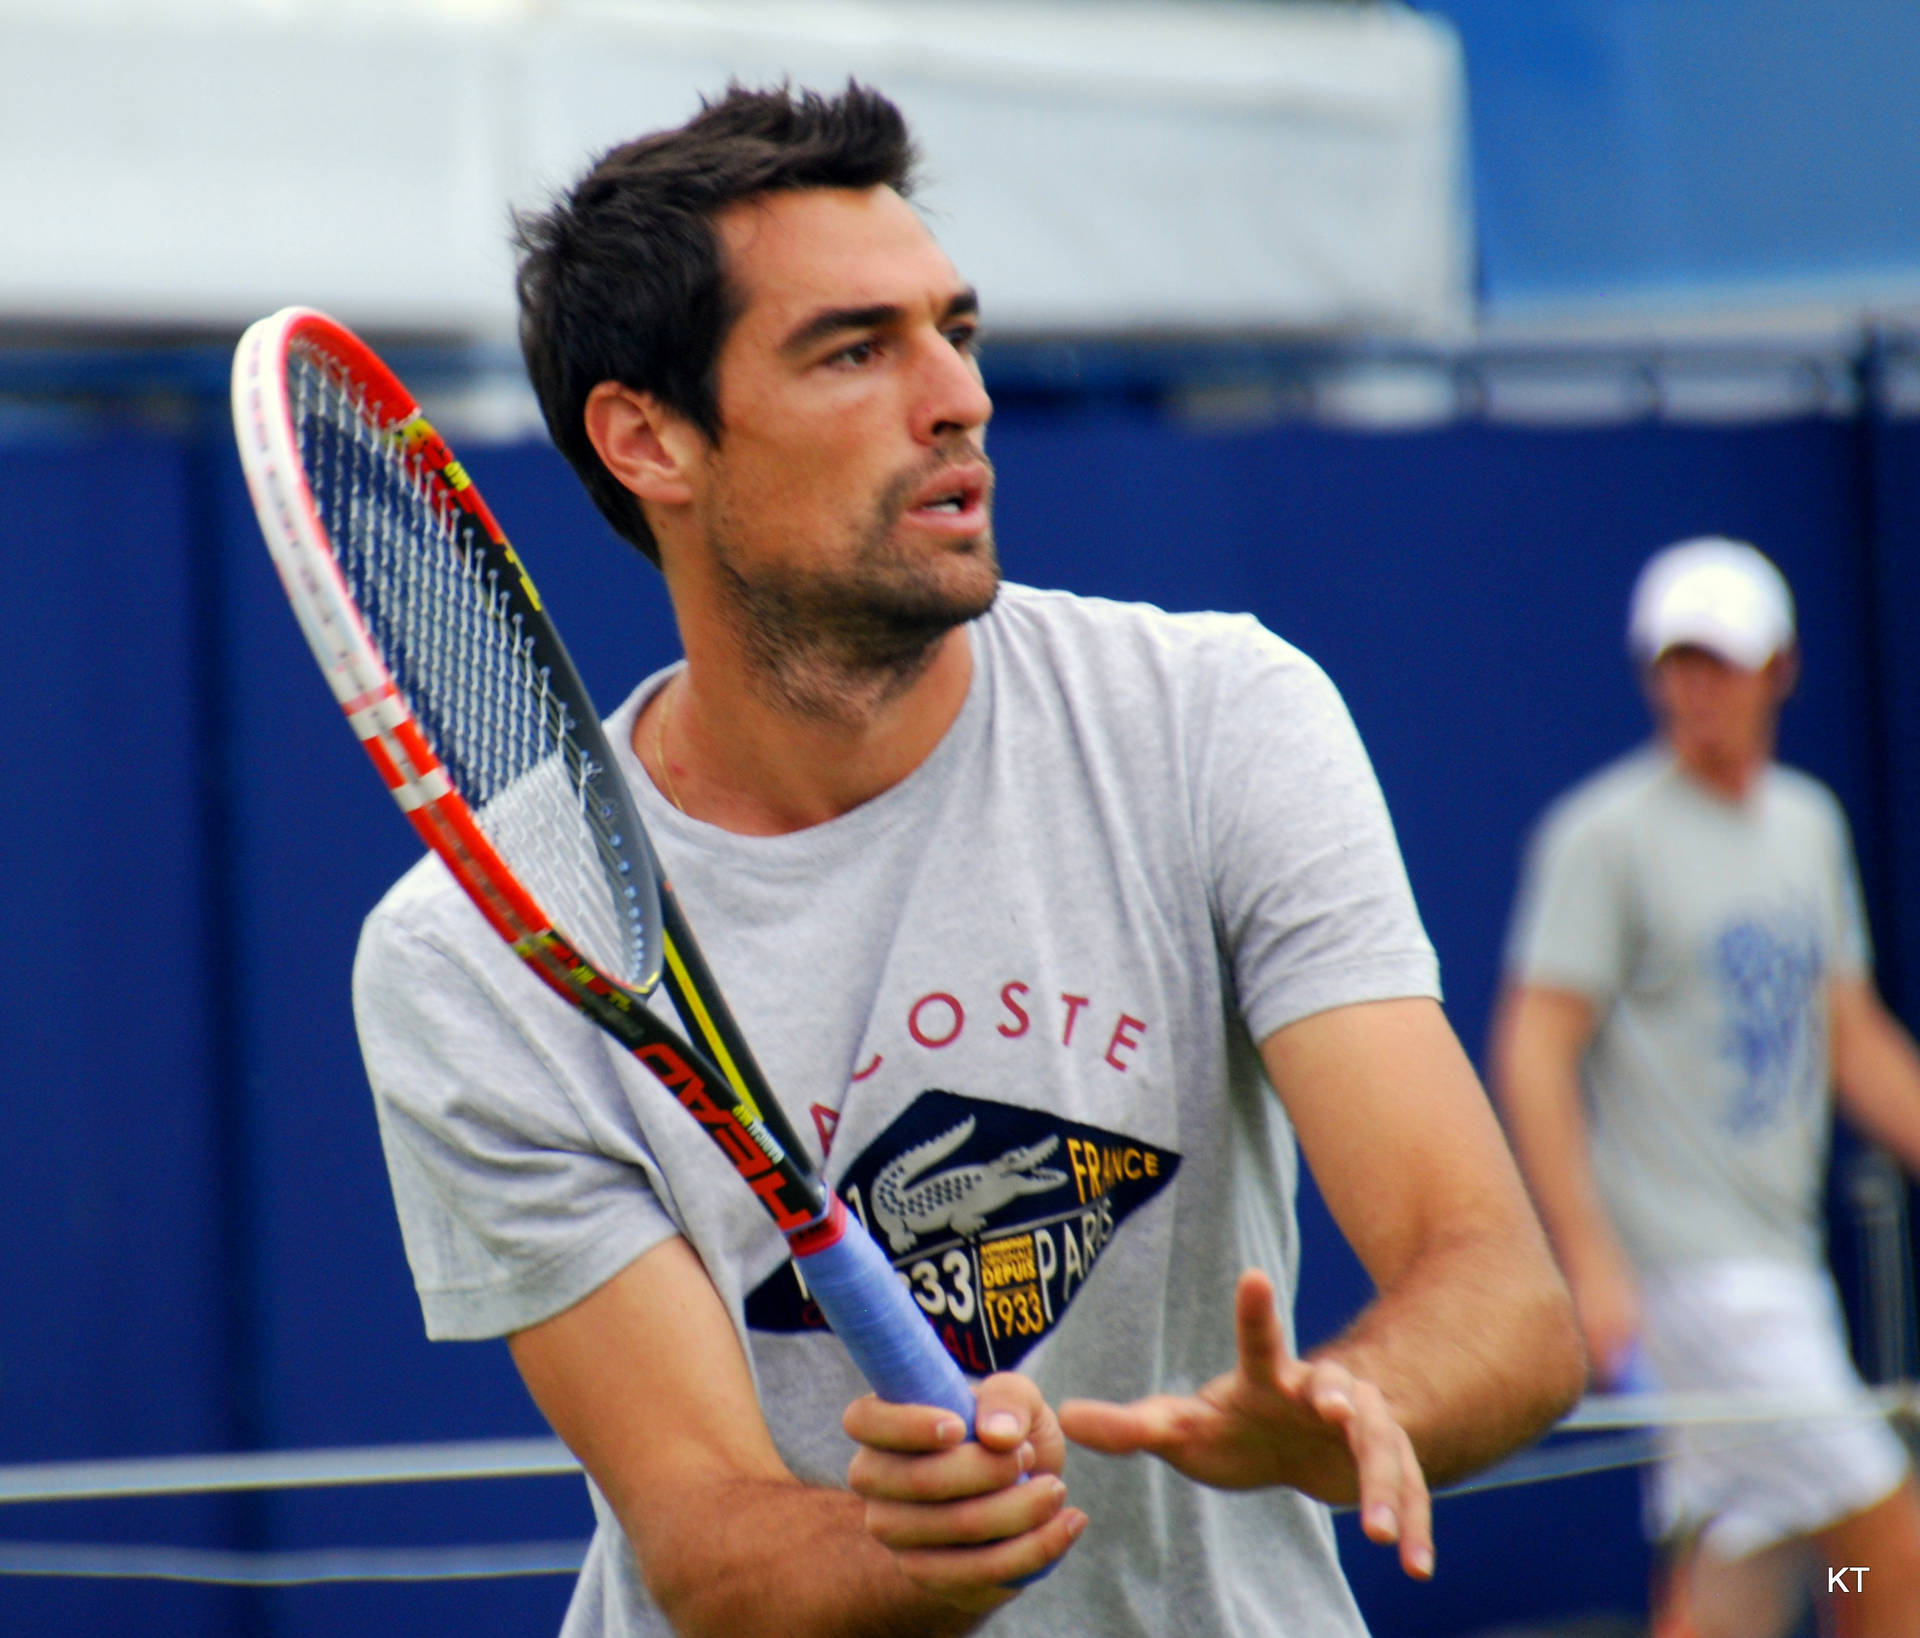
{"points": [[439, 652]]}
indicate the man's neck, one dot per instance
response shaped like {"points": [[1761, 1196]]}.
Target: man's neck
{"points": [[755, 761], [1731, 779]]}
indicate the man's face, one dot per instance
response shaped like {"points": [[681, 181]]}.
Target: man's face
{"points": [[848, 498], [1717, 715]]}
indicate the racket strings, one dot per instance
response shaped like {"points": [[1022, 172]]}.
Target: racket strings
{"points": [[459, 652]]}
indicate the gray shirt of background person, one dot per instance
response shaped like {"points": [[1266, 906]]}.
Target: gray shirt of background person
{"points": [[1705, 933]]}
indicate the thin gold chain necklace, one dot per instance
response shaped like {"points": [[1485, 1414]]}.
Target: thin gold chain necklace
{"points": [[660, 750]]}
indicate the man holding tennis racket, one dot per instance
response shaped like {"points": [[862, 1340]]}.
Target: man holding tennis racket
{"points": [[1687, 979], [1033, 903]]}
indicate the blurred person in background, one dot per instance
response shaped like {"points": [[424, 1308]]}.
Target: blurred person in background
{"points": [[1687, 983]]}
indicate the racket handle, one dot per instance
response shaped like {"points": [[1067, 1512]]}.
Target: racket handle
{"points": [[883, 1328], [871, 1312]]}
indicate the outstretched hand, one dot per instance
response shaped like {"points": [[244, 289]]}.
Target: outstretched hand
{"points": [[1275, 1419]]}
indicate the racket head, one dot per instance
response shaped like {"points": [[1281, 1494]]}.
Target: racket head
{"points": [[381, 540], [437, 648]]}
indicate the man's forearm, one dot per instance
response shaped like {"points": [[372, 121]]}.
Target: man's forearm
{"points": [[1549, 1137], [1472, 1340], [1876, 1070], [751, 1557], [646, 1381], [1538, 1041], [1474, 1347]]}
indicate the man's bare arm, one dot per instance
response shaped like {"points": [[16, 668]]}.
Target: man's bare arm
{"points": [[1471, 1338], [1469, 1349], [1539, 1036], [646, 1382], [1876, 1069]]}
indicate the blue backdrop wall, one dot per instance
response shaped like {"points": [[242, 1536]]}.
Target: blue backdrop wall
{"points": [[1630, 151], [201, 1251]]}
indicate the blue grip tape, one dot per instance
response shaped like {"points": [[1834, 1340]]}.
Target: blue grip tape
{"points": [[882, 1326]]}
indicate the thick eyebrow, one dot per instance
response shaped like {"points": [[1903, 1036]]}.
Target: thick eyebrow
{"points": [[832, 321]]}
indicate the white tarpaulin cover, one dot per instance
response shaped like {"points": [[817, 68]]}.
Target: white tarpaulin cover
{"points": [[1092, 166]]}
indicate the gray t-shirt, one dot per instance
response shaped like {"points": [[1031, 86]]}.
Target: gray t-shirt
{"points": [[1016, 997], [1706, 932]]}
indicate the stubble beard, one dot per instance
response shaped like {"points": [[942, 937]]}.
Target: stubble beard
{"points": [[835, 644]]}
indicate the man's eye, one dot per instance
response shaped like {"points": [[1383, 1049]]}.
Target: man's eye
{"points": [[859, 352], [964, 338]]}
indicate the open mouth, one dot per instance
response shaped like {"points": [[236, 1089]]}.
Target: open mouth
{"points": [[953, 494]]}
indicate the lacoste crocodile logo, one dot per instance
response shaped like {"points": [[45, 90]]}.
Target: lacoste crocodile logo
{"points": [[941, 1191], [961, 1198]]}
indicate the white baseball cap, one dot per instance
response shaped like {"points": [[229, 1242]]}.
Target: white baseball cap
{"points": [[1711, 593]]}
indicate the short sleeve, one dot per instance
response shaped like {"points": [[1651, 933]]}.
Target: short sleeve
{"points": [[1570, 922], [1312, 897], [516, 1199]]}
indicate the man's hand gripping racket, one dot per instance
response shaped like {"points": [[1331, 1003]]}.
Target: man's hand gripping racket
{"points": [[453, 677]]}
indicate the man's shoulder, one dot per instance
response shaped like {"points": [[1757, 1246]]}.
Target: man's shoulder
{"points": [[1078, 630], [1805, 805], [1801, 790], [426, 905], [1045, 608], [1612, 800]]}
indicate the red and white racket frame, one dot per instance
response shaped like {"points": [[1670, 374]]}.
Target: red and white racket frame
{"points": [[846, 1274], [310, 574]]}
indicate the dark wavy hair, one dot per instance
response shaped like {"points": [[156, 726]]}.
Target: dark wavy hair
{"points": [[623, 279]]}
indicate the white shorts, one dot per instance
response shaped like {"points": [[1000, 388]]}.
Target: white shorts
{"points": [[1758, 1327]]}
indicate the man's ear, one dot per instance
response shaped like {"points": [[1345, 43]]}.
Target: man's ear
{"points": [[648, 447], [1785, 667]]}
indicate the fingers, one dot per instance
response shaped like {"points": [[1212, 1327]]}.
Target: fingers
{"points": [[1256, 1324], [1010, 1412], [1393, 1499], [907, 1429], [970, 1520], [920, 1478], [1153, 1424], [1416, 1522], [1010, 1417], [955, 1511], [984, 1577]]}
